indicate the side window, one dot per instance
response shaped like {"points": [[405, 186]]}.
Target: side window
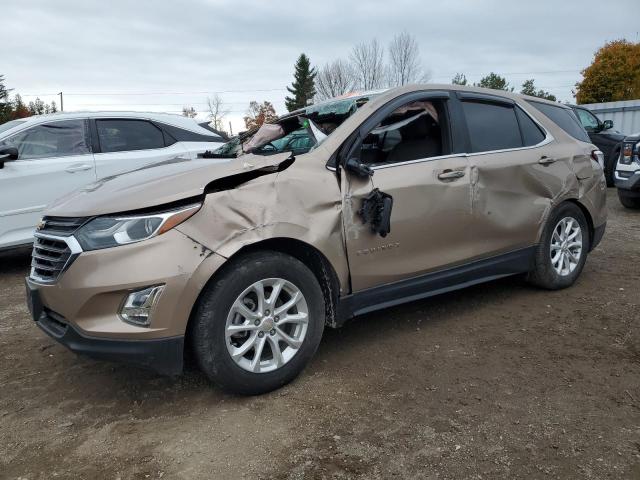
{"points": [[491, 126], [564, 118], [588, 120], [531, 133], [56, 139], [412, 132], [127, 135]]}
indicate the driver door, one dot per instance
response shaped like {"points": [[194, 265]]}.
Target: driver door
{"points": [[53, 159], [430, 186]]}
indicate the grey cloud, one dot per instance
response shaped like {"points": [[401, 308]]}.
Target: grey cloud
{"points": [[153, 46]]}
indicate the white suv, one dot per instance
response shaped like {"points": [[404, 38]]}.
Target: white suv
{"points": [[47, 156]]}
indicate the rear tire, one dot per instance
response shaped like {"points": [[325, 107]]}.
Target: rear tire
{"points": [[562, 252], [629, 202], [246, 341]]}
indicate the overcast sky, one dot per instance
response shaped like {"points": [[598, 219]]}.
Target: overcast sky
{"points": [[160, 55]]}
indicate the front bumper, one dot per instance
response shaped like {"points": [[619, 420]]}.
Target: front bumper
{"points": [[628, 186], [81, 309], [164, 355]]}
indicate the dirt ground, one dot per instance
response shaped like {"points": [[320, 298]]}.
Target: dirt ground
{"points": [[496, 381]]}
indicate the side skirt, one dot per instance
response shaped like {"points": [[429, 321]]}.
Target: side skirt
{"points": [[435, 283]]}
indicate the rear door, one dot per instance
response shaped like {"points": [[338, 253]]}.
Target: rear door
{"points": [[125, 144], [517, 170], [421, 166], [54, 158]]}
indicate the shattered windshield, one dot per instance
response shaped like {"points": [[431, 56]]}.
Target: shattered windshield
{"points": [[298, 132]]}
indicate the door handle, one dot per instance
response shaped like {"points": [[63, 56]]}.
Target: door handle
{"points": [[546, 160], [450, 174], [78, 168]]}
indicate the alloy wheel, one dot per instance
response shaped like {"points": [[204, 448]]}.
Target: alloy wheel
{"points": [[266, 325], [566, 246]]}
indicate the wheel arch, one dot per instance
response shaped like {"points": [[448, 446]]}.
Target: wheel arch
{"points": [[307, 254], [587, 216]]}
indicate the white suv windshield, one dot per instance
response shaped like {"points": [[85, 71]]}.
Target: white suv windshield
{"points": [[6, 126]]}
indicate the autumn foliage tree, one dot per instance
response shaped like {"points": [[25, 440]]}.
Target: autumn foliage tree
{"points": [[259, 113], [613, 75]]}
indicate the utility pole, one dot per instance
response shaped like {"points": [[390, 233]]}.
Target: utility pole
{"points": [[61, 104], [230, 129]]}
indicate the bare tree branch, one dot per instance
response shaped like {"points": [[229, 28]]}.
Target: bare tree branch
{"points": [[217, 111], [188, 111], [335, 78], [404, 61], [367, 60]]}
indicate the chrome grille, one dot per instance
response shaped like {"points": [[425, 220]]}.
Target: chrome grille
{"points": [[51, 256], [60, 226]]}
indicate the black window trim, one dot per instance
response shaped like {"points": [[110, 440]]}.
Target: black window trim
{"points": [[455, 115], [48, 122], [98, 146]]}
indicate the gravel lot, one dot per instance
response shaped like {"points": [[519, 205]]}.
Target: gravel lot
{"points": [[496, 381]]}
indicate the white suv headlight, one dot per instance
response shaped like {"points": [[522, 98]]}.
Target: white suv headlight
{"points": [[106, 232]]}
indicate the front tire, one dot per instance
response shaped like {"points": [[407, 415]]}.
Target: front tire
{"points": [[562, 252], [629, 202], [609, 168], [259, 323]]}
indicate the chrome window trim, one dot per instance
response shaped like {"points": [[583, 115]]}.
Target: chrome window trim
{"points": [[74, 247]]}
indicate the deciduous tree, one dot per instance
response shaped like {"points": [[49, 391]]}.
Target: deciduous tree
{"points": [[5, 105], [613, 75], [405, 65], [529, 88], [333, 79], [20, 110], [303, 87], [369, 69], [217, 111], [189, 112], [257, 114], [459, 79]]}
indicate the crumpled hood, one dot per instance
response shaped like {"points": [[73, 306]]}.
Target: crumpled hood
{"points": [[155, 184]]}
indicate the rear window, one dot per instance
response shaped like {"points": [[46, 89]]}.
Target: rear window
{"points": [[128, 135], [565, 119]]}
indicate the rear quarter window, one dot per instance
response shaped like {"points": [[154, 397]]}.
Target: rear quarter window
{"points": [[564, 118]]}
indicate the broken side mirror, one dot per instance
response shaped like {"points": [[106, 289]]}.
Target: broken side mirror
{"points": [[8, 154], [355, 166], [607, 124]]}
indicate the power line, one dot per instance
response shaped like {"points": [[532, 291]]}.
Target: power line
{"points": [[89, 94], [447, 75]]}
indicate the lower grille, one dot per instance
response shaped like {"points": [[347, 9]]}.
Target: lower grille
{"points": [[49, 258]]}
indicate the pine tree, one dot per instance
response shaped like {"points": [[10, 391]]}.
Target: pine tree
{"points": [[303, 87]]}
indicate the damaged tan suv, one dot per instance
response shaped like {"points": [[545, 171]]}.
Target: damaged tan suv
{"points": [[244, 256]]}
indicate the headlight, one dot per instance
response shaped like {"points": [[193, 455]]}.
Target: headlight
{"points": [[105, 232]]}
